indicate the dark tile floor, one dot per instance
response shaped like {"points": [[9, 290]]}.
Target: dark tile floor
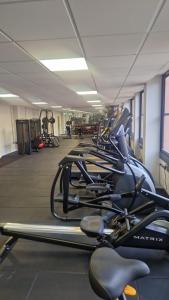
{"points": [[48, 272]]}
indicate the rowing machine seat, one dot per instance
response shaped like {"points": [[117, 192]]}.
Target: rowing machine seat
{"points": [[92, 226]]}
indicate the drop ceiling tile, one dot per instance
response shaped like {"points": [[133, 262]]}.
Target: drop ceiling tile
{"points": [[2, 71], [154, 60], [98, 17], [131, 90], [21, 86], [121, 100], [108, 63], [45, 75], [138, 80], [157, 42], [15, 102], [109, 92], [15, 81], [112, 72], [53, 87], [104, 80], [77, 78], [53, 49], [3, 38], [10, 52], [3, 91], [126, 93], [162, 23], [109, 71], [35, 20], [22, 66], [112, 45], [144, 70], [10, 1], [82, 86]]}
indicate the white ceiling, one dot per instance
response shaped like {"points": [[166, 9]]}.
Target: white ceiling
{"points": [[125, 44]]}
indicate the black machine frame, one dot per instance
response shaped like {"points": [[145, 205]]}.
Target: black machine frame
{"points": [[151, 231], [48, 138], [64, 171]]}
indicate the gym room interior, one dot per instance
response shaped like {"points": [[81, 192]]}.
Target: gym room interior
{"points": [[84, 149]]}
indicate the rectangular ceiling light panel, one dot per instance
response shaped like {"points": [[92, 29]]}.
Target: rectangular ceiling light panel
{"points": [[8, 96], [39, 103], [68, 64], [87, 93], [56, 106], [93, 101]]}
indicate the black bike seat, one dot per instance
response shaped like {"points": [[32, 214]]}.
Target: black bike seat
{"points": [[109, 273], [92, 226]]}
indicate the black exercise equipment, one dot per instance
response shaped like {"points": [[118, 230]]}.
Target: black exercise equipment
{"points": [[23, 136], [118, 151], [35, 134], [47, 123], [28, 136], [114, 178], [126, 230], [129, 227], [71, 201], [120, 228], [109, 273]]}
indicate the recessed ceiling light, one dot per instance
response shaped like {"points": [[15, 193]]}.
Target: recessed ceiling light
{"points": [[56, 106], [68, 64], [97, 105], [93, 101], [39, 103], [8, 96], [87, 93]]}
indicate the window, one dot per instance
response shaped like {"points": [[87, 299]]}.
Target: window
{"points": [[165, 118], [132, 114], [141, 117]]}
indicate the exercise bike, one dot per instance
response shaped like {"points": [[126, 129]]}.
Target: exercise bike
{"points": [[109, 274]]}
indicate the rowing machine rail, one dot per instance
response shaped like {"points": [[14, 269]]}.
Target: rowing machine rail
{"points": [[43, 233]]}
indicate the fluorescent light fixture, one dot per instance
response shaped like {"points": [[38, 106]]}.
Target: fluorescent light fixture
{"points": [[97, 105], [56, 106], [8, 96], [93, 101], [66, 108], [87, 93], [67, 64], [39, 103]]}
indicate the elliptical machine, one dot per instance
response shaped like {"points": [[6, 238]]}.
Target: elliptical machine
{"points": [[120, 176]]}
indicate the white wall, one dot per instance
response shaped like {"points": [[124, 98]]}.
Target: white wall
{"points": [[7, 130], [58, 126], [8, 116]]}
